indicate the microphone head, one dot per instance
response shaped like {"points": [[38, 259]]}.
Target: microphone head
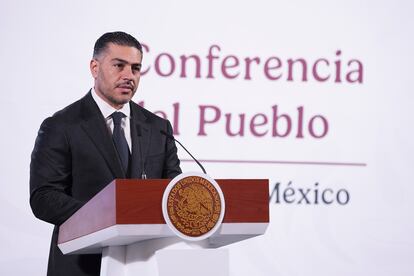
{"points": [[172, 138], [167, 134]]}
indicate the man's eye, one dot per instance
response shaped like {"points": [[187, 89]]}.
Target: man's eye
{"points": [[118, 65], [136, 68]]}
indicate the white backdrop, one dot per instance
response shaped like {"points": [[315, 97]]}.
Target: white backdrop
{"points": [[356, 215]]}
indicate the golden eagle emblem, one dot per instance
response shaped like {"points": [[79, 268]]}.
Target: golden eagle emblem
{"points": [[194, 206]]}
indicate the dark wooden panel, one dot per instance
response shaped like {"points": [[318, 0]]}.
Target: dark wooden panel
{"points": [[139, 201], [247, 200]]}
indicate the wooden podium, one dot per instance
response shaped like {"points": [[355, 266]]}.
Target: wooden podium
{"points": [[125, 223]]}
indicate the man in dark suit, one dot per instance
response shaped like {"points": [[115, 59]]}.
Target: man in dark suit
{"points": [[103, 136]]}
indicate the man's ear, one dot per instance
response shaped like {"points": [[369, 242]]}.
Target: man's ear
{"points": [[94, 66]]}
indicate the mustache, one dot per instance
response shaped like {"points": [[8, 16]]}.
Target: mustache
{"points": [[126, 84]]}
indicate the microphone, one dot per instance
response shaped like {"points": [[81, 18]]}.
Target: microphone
{"points": [[172, 137], [139, 134]]}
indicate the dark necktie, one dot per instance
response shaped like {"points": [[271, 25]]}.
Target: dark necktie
{"points": [[120, 141]]}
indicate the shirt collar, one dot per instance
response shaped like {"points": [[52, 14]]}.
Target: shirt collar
{"points": [[107, 109]]}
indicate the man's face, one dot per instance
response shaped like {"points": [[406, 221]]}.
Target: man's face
{"points": [[116, 72]]}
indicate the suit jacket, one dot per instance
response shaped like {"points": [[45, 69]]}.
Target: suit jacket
{"points": [[74, 158]]}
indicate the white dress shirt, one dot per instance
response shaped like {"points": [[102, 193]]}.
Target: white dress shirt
{"points": [[107, 111]]}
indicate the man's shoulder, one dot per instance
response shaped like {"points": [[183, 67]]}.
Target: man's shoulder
{"points": [[71, 114], [147, 115], [70, 110]]}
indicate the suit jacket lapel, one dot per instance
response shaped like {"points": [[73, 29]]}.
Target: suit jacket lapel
{"points": [[140, 143], [94, 125]]}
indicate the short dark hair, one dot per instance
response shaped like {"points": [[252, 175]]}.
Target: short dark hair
{"points": [[118, 38]]}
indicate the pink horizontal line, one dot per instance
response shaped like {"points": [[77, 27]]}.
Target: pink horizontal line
{"points": [[279, 162]]}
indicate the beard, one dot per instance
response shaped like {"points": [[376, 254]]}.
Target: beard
{"points": [[118, 101]]}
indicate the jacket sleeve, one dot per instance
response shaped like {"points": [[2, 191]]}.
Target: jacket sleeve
{"points": [[171, 161], [50, 174]]}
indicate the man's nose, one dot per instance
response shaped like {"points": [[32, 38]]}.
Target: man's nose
{"points": [[127, 73]]}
